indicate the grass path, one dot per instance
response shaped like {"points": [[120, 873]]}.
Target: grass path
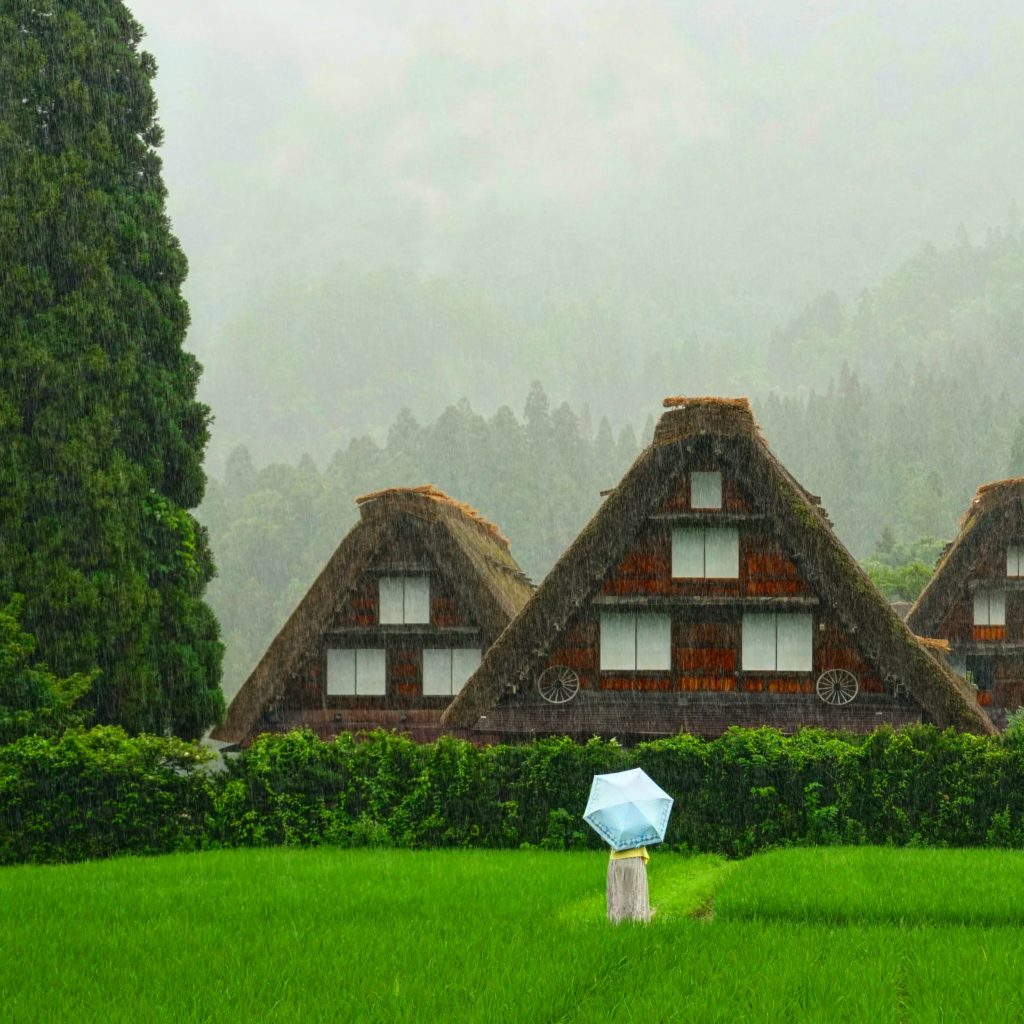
{"points": [[359, 935]]}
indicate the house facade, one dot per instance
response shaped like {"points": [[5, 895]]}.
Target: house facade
{"points": [[709, 590], [392, 628], [975, 600]]}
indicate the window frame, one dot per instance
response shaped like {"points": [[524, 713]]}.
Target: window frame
{"points": [[679, 532], [391, 580], [747, 629], [986, 594], [1015, 559], [451, 659], [706, 476], [661, 620], [377, 653]]}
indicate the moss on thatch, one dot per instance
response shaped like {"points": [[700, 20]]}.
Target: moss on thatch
{"points": [[726, 429]]}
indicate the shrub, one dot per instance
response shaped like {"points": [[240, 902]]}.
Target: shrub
{"points": [[98, 793]]}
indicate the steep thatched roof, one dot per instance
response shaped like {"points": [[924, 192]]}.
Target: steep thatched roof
{"points": [[726, 429], [468, 549], [995, 516]]}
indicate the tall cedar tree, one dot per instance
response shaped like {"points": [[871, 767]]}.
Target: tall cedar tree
{"points": [[101, 438]]}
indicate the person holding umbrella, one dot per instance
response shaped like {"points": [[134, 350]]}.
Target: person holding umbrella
{"points": [[630, 812]]}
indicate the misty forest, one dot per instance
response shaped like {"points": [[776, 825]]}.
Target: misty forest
{"points": [[537, 476]]}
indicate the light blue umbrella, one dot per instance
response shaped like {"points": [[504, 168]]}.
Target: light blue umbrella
{"points": [[628, 809]]}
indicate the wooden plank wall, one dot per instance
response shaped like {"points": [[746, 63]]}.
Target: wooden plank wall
{"points": [[306, 698], [706, 657], [706, 640]]}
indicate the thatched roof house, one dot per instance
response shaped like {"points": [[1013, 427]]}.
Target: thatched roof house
{"points": [[393, 625], [708, 590], [975, 600]]}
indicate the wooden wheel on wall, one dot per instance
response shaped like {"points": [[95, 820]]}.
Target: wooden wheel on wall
{"points": [[837, 686], [558, 684]]}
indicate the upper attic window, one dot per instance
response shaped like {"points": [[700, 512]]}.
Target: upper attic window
{"points": [[1015, 560], [404, 600], [706, 552], [706, 490]]}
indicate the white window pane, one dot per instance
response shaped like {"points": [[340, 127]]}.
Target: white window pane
{"points": [[391, 600], [688, 553], [722, 553], [653, 642], [997, 607], [341, 673], [437, 672], [618, 641], [705, 490], [465, 661], [371, 673], [981, 608], [1015, 560], [417, 599], [794, 643], [758, 642]]}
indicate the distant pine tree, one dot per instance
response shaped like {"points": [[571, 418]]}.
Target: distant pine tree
{"points": [[101, 436]]}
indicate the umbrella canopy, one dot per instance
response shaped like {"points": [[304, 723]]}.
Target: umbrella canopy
{"points": [[628, 809]]}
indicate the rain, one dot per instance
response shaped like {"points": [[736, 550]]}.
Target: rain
{"points": [[510, 512]]}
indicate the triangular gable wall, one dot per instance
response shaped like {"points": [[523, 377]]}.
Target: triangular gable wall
{"points": [[796, 565], [475, 588], [988, 650]]}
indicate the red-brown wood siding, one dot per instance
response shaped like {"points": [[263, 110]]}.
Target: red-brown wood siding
{"points": [[764, 569], [706, 640], [357, 624]]}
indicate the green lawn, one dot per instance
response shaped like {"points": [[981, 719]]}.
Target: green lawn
{"points": [[358, 935]]}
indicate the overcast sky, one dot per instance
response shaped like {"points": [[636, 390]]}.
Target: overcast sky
{"points": [[694, 170]]}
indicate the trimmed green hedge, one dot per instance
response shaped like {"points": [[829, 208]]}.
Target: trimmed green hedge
{"points": [[99, 793]]}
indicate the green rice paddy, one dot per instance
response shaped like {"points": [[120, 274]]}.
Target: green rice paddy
{"points": [[362, 935]]}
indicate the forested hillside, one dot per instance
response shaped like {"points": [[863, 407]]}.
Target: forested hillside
{"points": [[929, 403], [538, 476], [425, 202], [930, 398]]}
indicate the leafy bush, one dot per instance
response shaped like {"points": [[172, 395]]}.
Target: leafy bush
{"points": [[748, 790], [98, 793], [32, 699]]}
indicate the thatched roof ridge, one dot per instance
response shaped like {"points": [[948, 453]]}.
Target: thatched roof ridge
{"points": [[996, 511], [729, 429], [996, 493], [429, 497], [468, 549], [705, 402]]}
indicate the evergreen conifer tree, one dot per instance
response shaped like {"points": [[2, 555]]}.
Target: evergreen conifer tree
{"points": [[101, 436]]}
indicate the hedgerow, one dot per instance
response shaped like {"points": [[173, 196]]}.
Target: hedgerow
{"points": [[98, 793]]}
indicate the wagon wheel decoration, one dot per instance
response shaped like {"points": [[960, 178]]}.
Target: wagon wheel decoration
{"points": [[558, 684], [837, 686]]}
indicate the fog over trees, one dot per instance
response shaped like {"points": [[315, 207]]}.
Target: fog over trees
{"points": [[405, 205], [428, 209]]}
